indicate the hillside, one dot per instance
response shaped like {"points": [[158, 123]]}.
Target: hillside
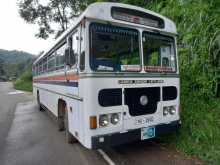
{"points": [[13, 63], [15, 56]]}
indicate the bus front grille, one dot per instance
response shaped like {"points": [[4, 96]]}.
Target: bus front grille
{"points": [[133, 100]]}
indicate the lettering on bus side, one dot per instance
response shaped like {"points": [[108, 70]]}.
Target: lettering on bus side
{"points": [[140, 81]]}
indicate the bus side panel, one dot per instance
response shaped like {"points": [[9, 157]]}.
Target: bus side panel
{"points": [[50, 94]]}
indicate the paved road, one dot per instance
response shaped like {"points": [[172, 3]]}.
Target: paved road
{"points": [[7, 108], [29, 137]]}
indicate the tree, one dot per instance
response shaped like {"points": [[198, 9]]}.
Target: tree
{"points": [[2, 72], [56, 13]]}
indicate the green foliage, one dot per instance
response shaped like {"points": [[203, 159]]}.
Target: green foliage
{"points": [[24, 82], [199, 134], [2, 71], [200, 131], [13, 63], [57, 12], [198, 25]]}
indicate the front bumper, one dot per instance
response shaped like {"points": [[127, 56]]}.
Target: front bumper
{"points": [[114, 139]]}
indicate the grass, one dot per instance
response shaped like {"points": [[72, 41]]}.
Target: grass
{"points": [[24, 82], [200, 132]]}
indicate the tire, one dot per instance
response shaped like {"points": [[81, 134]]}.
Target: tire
{"points": [[38, 102], [69, 137], [61, 125], [60, 119]]}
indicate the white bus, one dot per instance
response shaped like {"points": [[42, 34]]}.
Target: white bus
{"points": [[113, 77]]}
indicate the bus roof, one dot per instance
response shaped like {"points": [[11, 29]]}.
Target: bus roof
{"points": [[102, 11]]}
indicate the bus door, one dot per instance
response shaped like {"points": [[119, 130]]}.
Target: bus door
{"points": [[71, 69], [72, 78]]}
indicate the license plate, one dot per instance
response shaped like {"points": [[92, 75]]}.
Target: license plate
{"points": [[145, 120], [147, 133]]}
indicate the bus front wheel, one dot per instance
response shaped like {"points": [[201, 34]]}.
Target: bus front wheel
{"points": [[69, 137]]}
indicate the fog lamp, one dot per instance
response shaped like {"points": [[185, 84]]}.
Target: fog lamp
{"points": [[103, 120]]}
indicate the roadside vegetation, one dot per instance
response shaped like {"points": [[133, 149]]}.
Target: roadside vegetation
{"points": [[13, 63], [24, 82], [198, 25]]}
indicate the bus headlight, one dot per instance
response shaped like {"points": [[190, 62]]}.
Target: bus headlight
{"points": [[115, 118], [172, 110], [165, 111], [103, 120]]}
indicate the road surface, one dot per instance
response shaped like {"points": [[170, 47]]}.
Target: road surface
{"points": [[30, 137]]}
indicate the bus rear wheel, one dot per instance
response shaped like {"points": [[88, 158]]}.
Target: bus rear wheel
{"points": [[38, 102], [69, 137]]}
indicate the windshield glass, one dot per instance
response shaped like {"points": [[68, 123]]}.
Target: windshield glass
{"points": [[114, 48], [159, 53]]}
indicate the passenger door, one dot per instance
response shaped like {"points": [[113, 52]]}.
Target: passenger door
{"points": [[71, 70]]}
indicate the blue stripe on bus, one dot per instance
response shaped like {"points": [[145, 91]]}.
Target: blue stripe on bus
{"points": [[63, 83]]}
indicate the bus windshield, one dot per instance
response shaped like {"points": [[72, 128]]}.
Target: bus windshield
{"points": [[159, 53], [114, 48]]}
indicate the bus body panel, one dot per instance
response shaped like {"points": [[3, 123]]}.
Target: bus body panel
{"points": [[128, 122]]}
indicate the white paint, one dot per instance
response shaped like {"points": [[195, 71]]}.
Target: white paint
{"points": [[16, 92], [89, 85], [106, 157]]}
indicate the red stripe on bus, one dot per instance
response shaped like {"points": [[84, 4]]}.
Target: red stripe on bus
{"points": [[68, 77]]}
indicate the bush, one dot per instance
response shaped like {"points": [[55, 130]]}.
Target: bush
{"points": [[24, 82]]}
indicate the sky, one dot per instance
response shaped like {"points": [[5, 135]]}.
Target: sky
{"points": [[16, 34]]}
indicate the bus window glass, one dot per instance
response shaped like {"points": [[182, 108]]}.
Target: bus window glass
{"points": [[159, 53], [82, 61], [82, 51], [75, 49], [114, 48], [60, 59], [45, 65], [51, 62], [40, 68]]}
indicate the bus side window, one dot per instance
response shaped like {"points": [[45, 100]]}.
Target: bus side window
{"points": [[165, 62], [51, 62], [44, 65], [75, 49], [60, 59], [82, 51], [82, 61]]}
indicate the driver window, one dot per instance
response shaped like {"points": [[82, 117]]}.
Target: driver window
{"points": [[74, 44]]}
